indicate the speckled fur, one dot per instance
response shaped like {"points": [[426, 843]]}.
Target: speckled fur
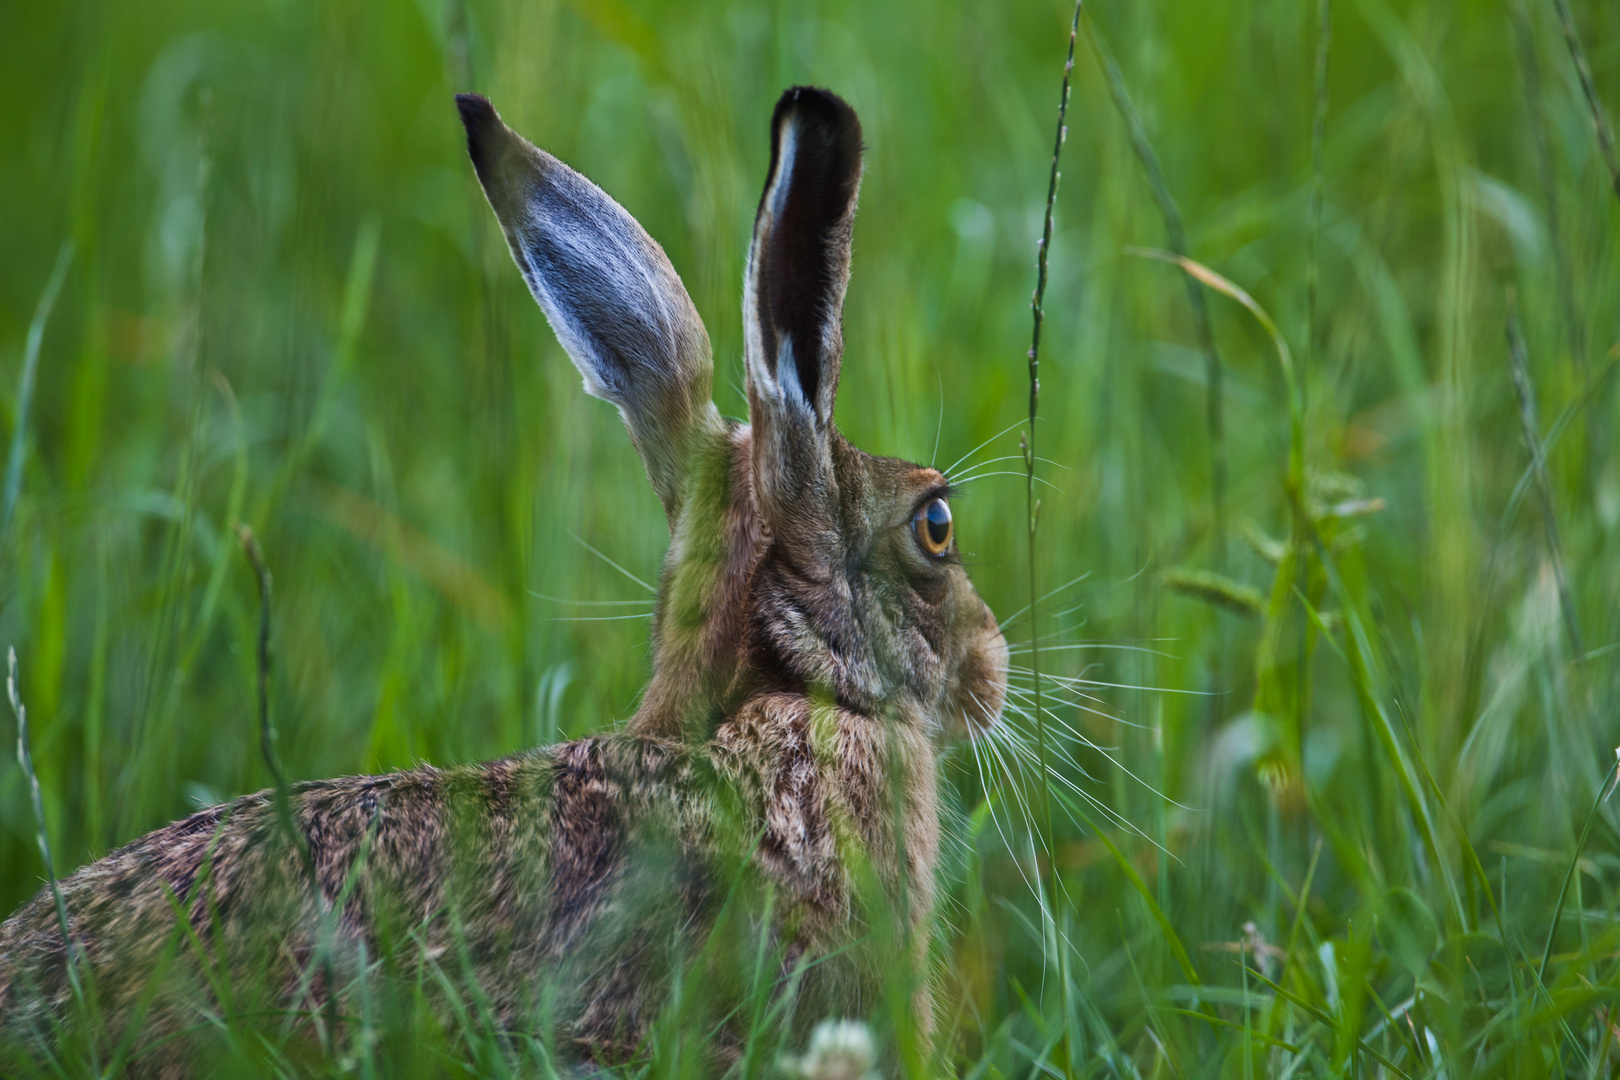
{"points": [[808, 658]]}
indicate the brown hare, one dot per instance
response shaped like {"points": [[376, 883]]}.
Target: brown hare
{"points": [[815, 635]]}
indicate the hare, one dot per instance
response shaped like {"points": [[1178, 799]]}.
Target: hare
{"points": [[815, 635]]}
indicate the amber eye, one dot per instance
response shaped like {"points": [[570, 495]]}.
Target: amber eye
{"points": [[932, 526]]}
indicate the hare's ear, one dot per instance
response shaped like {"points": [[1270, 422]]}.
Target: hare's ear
{"points": [[608, 290], [798, 268]]}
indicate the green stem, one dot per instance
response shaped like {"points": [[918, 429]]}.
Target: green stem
{"points": [[1033, 505], [1324, 39], [25, 758], [1519, 367], [1600, 120], [282, 797], [1176, 236], [25, 390], [1574, 862]]}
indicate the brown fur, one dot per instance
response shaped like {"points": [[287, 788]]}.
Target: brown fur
{"points": [[808, 656]]}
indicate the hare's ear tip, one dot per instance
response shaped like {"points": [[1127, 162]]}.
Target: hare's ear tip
{"points": [[476, 111], [482, 124], [814, 97], [815, 101], [810, 108]]}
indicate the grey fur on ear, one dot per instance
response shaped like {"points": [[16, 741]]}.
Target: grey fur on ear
{"points": [[608, 290]]}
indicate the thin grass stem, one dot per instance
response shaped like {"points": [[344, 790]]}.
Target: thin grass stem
{"points": [[25, 388], [25, 758], [267, 750], [1604, 791], [1519, 364], [1600, 119], [1032, 504], [1324, 39], [1176, 236], [1530, 66]]}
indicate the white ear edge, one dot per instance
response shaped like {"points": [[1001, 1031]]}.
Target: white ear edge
{"points": [[781, 385], [788, 377], [788, 147]]}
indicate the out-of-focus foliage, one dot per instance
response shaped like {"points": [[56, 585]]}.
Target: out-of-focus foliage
{"points": [[288, 305]]}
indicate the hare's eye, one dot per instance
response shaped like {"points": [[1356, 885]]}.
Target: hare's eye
{"points": [[932, 527]]}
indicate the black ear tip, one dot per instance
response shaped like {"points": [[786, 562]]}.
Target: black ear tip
{"points": [[814, 97], [818, 105], [476, 112], [826, 124], [478, 117]]}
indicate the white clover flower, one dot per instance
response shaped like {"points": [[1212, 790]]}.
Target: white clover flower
{"points": [[839, 1050]]}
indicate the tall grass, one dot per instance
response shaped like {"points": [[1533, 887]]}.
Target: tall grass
{"points": [[1326, 755]]}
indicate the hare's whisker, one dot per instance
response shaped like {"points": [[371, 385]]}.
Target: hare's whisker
{"points": [[1028, 696], [1060, 683], [990, 792], [1068, 682], [1055, 719], [968, 720], [1018, 796], [1105, 642], [1052, 774], [1074, 682], [1007, 770], [1012, 457], [1024, 713], [583, 543], [1101, 714], [1057, 618], [1109, 753], [1014, 766], [1060, 615], [1072, 645], [1066, 585], [1101, 807], [1071, 681], [939, 425], [1079, 695], [1055, 638], [1008, 736], [1063, 758], [599, 618], [1114, 816], [588, 603], [966, 480], [1153, 689], [1053, 685], [981, 446]]}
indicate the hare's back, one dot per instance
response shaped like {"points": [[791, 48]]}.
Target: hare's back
{"points": [[513, 861]]}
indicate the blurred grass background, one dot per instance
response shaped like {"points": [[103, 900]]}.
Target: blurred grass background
{"points": [[1371, 731]]}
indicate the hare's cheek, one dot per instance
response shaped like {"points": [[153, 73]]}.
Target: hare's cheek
{"points": [[932, 589]]}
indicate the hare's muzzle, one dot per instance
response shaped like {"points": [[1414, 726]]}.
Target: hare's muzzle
{"points": [[979, 689]]}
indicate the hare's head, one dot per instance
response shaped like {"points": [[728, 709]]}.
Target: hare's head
{"points": [[798, 563]]}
